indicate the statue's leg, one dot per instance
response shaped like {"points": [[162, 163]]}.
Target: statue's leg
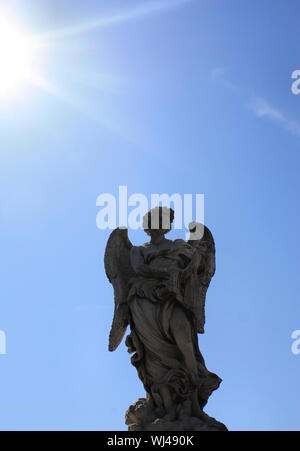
{"points": [[166, 396], [181, 329]]}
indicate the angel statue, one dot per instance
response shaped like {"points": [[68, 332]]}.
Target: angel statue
{"points": [[159, 290]]}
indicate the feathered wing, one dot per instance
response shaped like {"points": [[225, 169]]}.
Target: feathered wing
{"points": [[202, 240], [119, 271]]}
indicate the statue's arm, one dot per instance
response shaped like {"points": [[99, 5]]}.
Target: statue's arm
{"points": [[142, 269]]}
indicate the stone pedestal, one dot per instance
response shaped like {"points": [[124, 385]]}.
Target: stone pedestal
{"points": [[144, 416]]}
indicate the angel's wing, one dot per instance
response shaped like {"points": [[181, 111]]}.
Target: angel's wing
{"points": [[119, 271], [204, 245]]}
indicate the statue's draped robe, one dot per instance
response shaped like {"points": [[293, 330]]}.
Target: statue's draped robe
{"points": [[152, 303]]}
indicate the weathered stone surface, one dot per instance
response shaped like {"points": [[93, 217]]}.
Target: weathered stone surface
{"points": [[160, 290], [144, 416]]}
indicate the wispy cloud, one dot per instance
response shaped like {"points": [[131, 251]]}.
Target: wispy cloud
{"points": [[218, 75], [258, 105], [116, 18], [263, 109]]}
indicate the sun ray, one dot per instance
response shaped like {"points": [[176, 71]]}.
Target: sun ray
{"points": [[135, 13]]}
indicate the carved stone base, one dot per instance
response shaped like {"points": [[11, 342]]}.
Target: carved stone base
{"points": [[144, 416]]}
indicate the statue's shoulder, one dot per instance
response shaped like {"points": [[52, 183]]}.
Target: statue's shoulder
{"points": [[145, 245], [179, 242], [175, 243], [142, 247]]}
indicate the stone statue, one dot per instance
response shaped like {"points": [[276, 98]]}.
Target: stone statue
{"points": [[160, 289]]}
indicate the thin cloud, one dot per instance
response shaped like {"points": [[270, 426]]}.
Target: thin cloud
{"points": [[263, 109], [218, 75], [258, 105], [125, 16]]}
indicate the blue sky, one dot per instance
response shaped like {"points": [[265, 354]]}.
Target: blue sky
{"points": [[161, 96]]}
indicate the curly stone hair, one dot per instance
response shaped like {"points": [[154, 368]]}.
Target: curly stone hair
{"points": [[158, 218]]}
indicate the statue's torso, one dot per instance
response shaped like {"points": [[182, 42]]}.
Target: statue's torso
{"points": [[170, 254]]}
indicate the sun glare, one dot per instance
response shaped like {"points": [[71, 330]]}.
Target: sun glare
{"points": [[17, 55]]}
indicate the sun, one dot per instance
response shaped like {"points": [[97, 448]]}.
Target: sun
{"points": [[17, 59]]}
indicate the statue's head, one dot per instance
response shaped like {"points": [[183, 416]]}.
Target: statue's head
{"points": [[158, 221]]}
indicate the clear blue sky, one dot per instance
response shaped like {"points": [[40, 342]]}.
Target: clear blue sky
{"points": [[187, 98]]}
